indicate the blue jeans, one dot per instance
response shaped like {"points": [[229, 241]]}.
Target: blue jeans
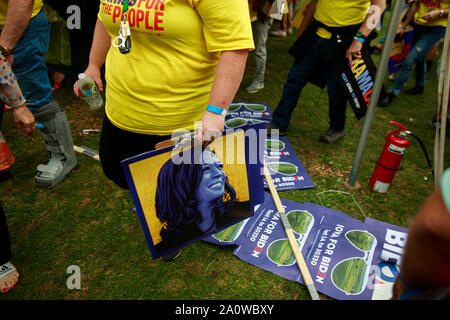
{"points": [[417, 56], [29, 63], [298, 77]]}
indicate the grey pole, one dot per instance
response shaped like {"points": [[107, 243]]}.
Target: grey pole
{"points": [[379, 80]]}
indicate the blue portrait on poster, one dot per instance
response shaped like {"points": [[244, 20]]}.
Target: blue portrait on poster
{"points": [[185, 194]]}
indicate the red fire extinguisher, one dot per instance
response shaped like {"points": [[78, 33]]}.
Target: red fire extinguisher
{"points": [[389, 162]]}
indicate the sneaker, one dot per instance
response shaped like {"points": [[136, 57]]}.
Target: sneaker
{"points": [[278, 33], [387, 100], [416, 90], [171, 256], [289, 31], [270, 127], [254, 87], [435, 122], [331, 136]]}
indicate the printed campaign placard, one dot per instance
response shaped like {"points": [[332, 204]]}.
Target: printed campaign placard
{"points": [[341, 252], [390, 259], [357, 82], [343, 257], [264, 242], [400, 51], [288, 172], [241, 114], [229, 236], [185, 194]]}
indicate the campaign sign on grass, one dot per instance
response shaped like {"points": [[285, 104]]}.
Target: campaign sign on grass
{"points": [[288, 172], [390, 259], [343, 258], [340, 251], [241, 114], [185, 194], [264, 242]]}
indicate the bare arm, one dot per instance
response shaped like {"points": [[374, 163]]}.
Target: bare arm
{"points": [[17, 19], [9, 89], [99, 50], [370, 22], [228, 77], [411, 13]]}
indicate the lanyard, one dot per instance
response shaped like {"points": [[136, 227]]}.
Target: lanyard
{"points": [[123, 41]]}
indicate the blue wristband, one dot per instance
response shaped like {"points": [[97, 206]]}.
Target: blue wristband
{"points": [[360, 39], [216, 110]]}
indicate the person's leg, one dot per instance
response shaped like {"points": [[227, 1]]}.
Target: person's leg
{"points": [[296, 80], [8, 276], [117, 145], [29, 63], [260, 34], [31, 72], [337, 110], [417, 53], [337, 104], [5, 243]]}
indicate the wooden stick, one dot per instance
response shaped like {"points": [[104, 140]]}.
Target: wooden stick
{"points": [[87, 151], [290, 234], [443, 101]]}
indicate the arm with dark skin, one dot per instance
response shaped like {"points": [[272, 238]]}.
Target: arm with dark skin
{"points": [[426, 260]]}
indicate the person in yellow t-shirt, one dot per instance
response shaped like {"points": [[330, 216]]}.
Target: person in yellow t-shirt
{"points": [[186, 62], [429, 20], [24, 41], [333, 30]]}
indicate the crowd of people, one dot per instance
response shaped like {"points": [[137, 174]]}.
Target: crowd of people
{"points": [[192, 73]]}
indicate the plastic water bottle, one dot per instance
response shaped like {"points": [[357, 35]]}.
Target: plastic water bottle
{"points": [[89, 91]]}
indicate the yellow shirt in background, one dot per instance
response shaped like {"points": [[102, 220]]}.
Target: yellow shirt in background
{"points": [[340, 13], [430, 6], [164, 83], [4, 7]]}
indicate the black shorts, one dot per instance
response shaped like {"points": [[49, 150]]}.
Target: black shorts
{"points": [[117, 145]]}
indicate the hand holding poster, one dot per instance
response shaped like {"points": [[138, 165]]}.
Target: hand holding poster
{"points": [[242, 114], [357, 82], [183, 195]]}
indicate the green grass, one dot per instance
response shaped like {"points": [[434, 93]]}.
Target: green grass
{"points": [[88, 221]]}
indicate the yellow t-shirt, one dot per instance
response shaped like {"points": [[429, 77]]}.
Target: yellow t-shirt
{"points": [[340, 13], [428, 6], [4, 7], [165, 81]]}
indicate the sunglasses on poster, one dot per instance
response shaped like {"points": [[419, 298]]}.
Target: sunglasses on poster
{"points": [[351, 275], [284, 168], [249, 107], [280, 251], [235, 123], [275, 145]]}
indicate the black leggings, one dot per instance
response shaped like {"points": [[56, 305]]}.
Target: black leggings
{"points": [[5, 242], [117, 145]]}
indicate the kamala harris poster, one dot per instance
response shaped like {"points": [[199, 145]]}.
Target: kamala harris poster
{"points": [[182, 195]]}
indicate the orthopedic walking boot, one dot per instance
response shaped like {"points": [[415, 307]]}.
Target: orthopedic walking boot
{"points": [[59, 143]]}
